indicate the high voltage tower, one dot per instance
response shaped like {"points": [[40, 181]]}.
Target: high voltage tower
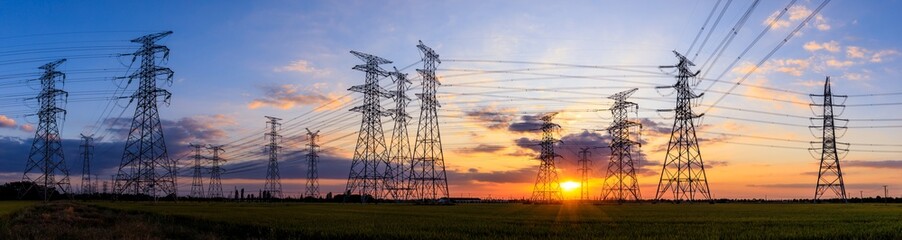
{"points": [[312, 160], [620, 182], [547, 187], [146, 168], [399, 148], [273, 186], [584, 170], [45, 159], [427, 179], [829, 175], [197, 182], [683, 173], [215, 190], [367, 177], [87, 152]]}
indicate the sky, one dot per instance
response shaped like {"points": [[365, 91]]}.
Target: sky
{"points": [[504, 63]]}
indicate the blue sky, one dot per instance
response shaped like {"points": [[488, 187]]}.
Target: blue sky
{"points": [[238, 61]]}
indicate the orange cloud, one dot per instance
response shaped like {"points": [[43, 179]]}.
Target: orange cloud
{"points": [[813, 46], [289, 96]]}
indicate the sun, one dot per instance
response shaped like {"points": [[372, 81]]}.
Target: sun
{"points": [[569, 186]]}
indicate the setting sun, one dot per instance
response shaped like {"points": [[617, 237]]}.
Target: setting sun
{"points": [[569, 186]]}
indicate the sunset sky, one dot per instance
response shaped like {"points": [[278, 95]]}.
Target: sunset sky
{"points": [[503, 64]]}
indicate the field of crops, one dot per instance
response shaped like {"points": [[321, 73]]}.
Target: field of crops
{"points": [[519, 221]]}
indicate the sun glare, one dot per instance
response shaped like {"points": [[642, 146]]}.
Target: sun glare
{"points": [[569, 186]]}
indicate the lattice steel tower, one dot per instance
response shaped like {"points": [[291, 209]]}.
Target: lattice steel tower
{"points": [[87, 152], [683, 173], [215, 190], [829, 175], [584, 170], [312, 161], [621, 183], [45, 160], [399, 148], [370, 162], [197, 182], [146, 168], [547, 187], [273, 185], [427, 179]]}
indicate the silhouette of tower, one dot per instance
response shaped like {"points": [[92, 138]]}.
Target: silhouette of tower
{"points": [[584, 170], [312, 161], [215, 190], [273, 185], [370, 162], [87, 152], [45, 160], [620, 182], [399, 148], [146, 168], [547, 187], [427, 181], [829, 175], [683, 173], [197, 182]]}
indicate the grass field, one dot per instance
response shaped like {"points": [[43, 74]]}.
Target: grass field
{"points": [[7, 207], [519, 221]]}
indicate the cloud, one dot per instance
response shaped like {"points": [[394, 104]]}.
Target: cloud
{"points": [[528, 123], [302, 66], [864, 75], [491, 117], [891, 164], [855, 52], [472, 175], [794, 67], [6, 122], [839, 64], [796, 14], [288, 96], [483, 148], [813, 46], [879, 55]]}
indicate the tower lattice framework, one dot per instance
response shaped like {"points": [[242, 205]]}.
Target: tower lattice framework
{"points": [[584, 171], [620, 182], [273, 186], [548, 187], [215, 188], [312, 160], [45, 159], [399, 148], [197, 181], [427, 181], [367, 177], [87, 153], [829, 174], [146, 168], [683, 173]]}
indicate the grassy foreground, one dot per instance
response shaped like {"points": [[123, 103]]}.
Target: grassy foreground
{"points": [[518, 221]]}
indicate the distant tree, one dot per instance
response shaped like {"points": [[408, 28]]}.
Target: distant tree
{"points": [[329, 196], [12, 190]]}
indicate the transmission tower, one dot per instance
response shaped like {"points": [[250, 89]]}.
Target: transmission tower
{"points": [[683, 173], [273, 185], [312, 161], [370, 162], [46, 159], [146, 168], [399, 148], [87, 152], [547, 187], [829, 175], [197, 183], [584, 170], [620, 182], [215, 190], [427, 180]]}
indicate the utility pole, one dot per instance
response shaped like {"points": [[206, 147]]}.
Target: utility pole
{"points": [[620, 182], [547, 187], [428, 182], [215, 190], [45, 160], [197, 183], [370, 161], [829, 175], [146, 169], [683, 173], [87, 152], [312, 161], [584, 169], [273, 184], [399, 148]]}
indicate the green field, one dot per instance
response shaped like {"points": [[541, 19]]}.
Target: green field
{"points": [[518, 221]]}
